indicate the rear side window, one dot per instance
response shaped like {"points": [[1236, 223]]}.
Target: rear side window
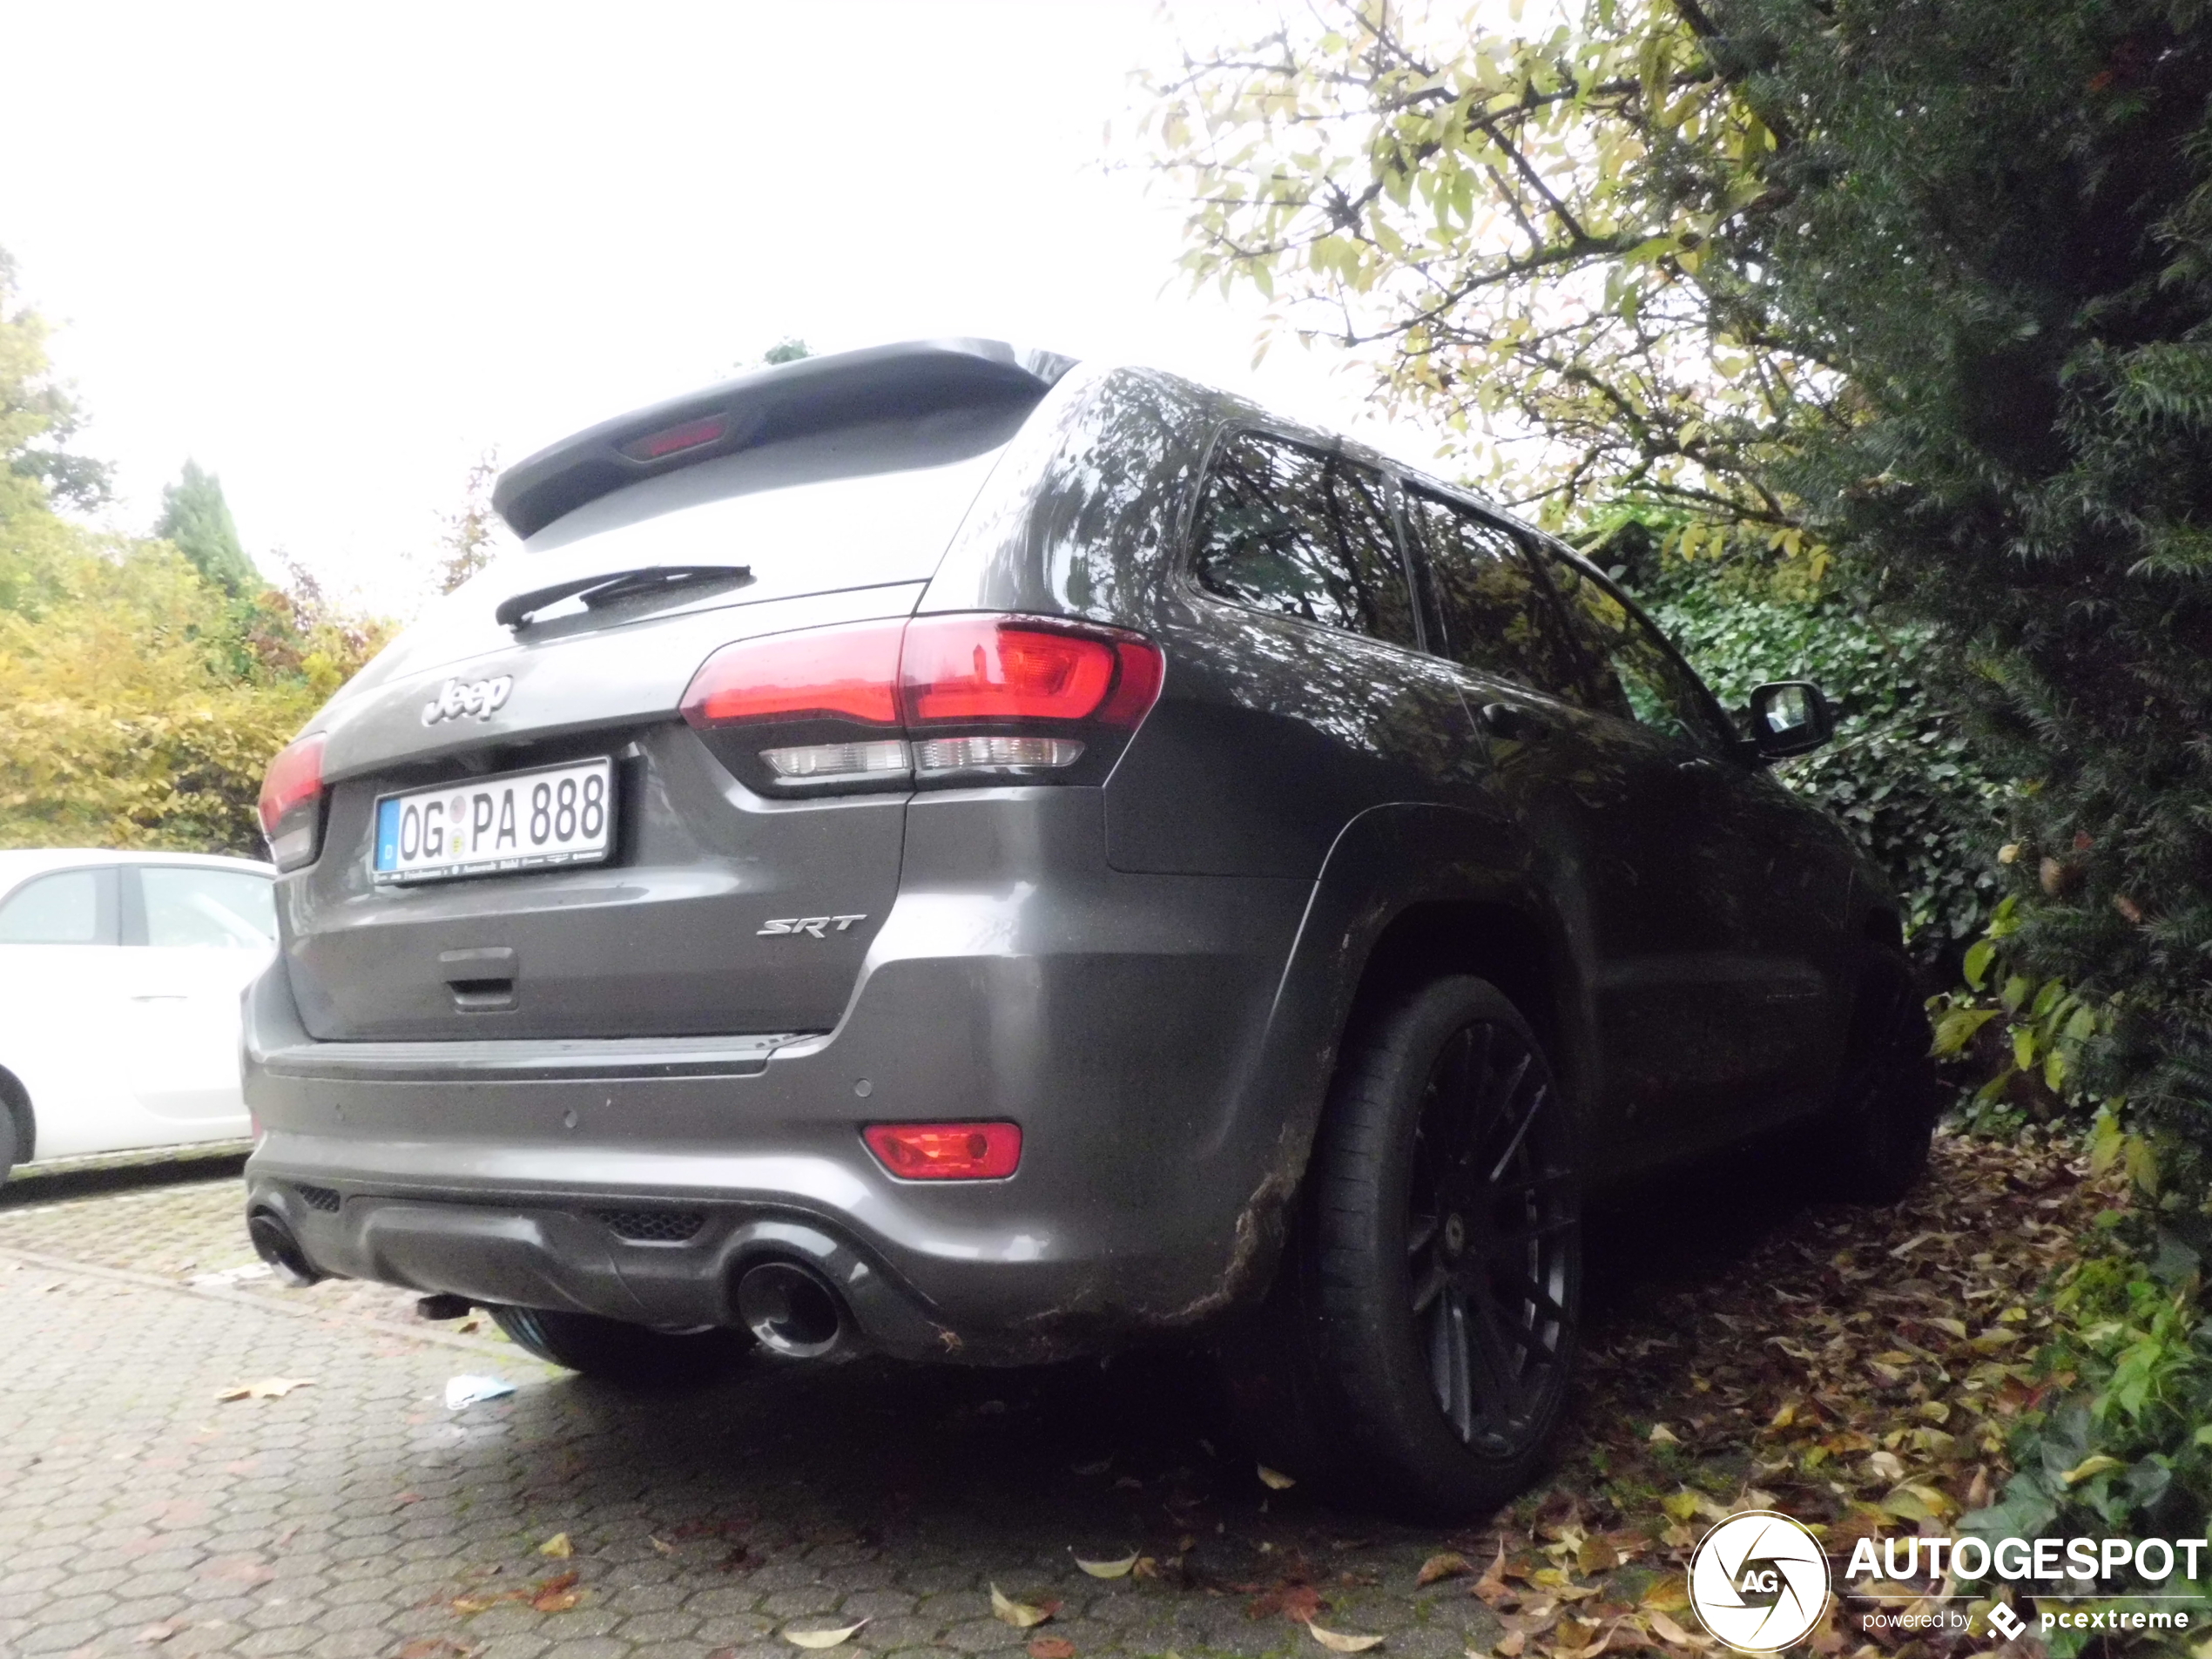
{"points": [[68, 907], [1497, 618], [222, 909], [1638, 678], [1288, 529]]}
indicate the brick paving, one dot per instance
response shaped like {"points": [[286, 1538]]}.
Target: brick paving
{"points": [[347, 1518]]}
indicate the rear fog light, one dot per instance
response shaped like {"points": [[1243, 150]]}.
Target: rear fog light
{"points": [[947, 1151]]}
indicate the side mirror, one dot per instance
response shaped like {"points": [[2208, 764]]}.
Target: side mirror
{"points": [[1789, 718]]}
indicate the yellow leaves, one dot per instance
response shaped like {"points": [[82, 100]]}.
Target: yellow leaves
{"points": [[1335, 1641], [558, 1546], [2090, 1467], [1120, 1569], [821, 1639], [1275, 1480], [1021, 1615]]}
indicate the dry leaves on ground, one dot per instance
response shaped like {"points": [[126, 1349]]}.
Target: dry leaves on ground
{"points": [[1858, 1370], [1019, 1615], [1337, 1641], [266, 1388], [817, 1639]]}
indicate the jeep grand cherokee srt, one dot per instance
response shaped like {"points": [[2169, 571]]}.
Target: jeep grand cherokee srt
{"points": [[944, 851]]}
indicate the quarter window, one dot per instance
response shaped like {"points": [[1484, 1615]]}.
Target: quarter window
{"points": [[1497, 618], [224, 909], [63, 908], [1637, 677], [1291, 530]]}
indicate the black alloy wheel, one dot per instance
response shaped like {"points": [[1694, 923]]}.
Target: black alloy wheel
{"points": [[1872, 1145], [1415, 1348], [1492, 1236]]}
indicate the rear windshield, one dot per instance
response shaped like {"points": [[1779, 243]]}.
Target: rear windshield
{"points": [[861, 507]]}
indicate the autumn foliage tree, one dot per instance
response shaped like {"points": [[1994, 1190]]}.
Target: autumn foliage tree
{"points": [[142, 691], [1926, 290]]}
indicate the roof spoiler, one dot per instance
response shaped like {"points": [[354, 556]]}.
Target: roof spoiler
{"points": [[814, 394]]}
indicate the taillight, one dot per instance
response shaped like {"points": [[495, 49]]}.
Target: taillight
{"points": [[292, 803], [935, 698], [822, 674], [980, 668], [947, 1151]]}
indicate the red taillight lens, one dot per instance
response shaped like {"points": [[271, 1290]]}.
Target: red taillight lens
{"points": [[927, 680], [947, 1151], [822, 674], [964, 670], [292, 803]]}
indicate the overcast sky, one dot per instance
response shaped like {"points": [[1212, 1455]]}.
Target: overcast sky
{"points": [[336, 254]]}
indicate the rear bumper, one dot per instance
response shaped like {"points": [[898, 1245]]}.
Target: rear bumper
{"points": [[1121, 1021]]}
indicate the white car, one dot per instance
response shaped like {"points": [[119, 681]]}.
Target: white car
{"points": [[119, 982]]}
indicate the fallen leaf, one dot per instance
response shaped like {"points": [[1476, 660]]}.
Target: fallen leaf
{"points": [[1019, 1615], [826, 1638], [1108, 1570], [267, 1388], [558, 1546], [2090, 1466], [1669, 1593], [1052, 1648], [556, 1594], [1511, 1644], [435, 1647], [1596, 1556], [1662, 1436], [1275, 1480], [1337, 1641], [1436, 1568], [1667, 1630], [155, 1633], [1300, 1602], [660, 1544]]}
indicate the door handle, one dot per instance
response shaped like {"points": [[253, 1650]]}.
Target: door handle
{"points": [[1513, 725]]}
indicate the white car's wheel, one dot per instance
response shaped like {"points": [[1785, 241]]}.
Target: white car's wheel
{"points": [[11, 1139]]}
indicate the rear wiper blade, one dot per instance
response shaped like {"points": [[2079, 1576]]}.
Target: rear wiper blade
{"points": [[516, 612]]}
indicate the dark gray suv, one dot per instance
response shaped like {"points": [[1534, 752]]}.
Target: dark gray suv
{"points": [[942, 852]]}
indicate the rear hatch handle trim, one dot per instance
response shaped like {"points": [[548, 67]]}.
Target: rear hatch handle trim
{"points": [[482, 980]]}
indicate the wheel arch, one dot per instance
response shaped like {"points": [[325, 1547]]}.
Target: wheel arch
{"points": [[1409, 891]]}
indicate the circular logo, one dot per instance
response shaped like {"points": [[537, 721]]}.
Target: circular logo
{"points": [[1760, 1580]]}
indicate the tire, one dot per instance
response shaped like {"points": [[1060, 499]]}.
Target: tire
{"points": [[1873, 1143], [617, 1352], [10, 1137], [1417, 1341]]}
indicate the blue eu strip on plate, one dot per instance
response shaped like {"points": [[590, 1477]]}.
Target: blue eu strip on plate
{"points": [[388, 834]]}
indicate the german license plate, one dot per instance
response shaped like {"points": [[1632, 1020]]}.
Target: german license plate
{"points": [[517, 821]]}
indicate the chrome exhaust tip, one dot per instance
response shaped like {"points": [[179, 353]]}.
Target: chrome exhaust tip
{"points": [[791, 1309]]}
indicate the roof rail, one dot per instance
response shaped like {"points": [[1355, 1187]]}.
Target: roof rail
{"points": [[814, 394]]}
